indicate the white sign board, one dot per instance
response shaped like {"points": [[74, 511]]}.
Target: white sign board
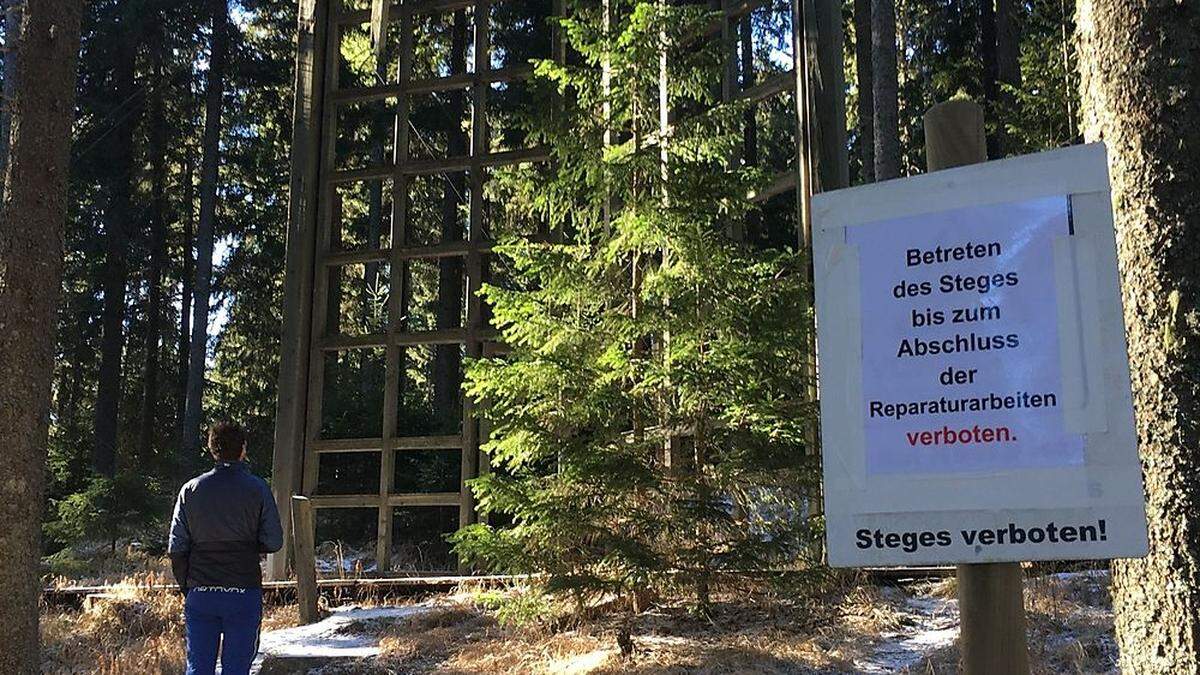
{"points": [[975, 400]]}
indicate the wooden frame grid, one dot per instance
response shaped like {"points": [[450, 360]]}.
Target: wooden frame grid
{"points": [[312, 256]]}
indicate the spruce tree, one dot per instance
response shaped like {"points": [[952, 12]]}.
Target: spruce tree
{"points": [[648, 422]]}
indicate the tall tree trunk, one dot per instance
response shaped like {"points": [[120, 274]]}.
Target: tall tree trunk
{"points": [[205, 234], [1140, 67], [754, 228], [1008, 69], [1008, 43], [158, 250], [12, 34], [989, 71], [885, 86], [447, 363], [118, 225], [863, 65], [185, 291], [31, 256]]}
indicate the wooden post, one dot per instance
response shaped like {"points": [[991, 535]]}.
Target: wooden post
{"points": [[303, 534], [298, 270], [991, 607]]}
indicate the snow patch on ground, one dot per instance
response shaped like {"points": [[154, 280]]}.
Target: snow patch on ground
{"points": [[934, 625], [330, 638]]}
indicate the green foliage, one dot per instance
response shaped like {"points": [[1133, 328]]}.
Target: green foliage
{"points": [[108, 509], [519, 608], [648, 330]]}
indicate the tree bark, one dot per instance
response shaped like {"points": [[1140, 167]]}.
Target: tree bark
{"points": [[31, 258], [118, 225], [205, 234], [886, 89], [1008, 44], [1139, 68], [1008, 71], [863, 65], [156, 143], [989, 70]]}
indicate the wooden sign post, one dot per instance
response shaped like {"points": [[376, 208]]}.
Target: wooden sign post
{"points": [[991, 604]]}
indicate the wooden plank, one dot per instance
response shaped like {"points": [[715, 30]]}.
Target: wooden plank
{"points": [[419, 7], [349, 445], [397, 304], [444, 164], [775, 84], [356, 257], [469, 466], [426, 442], [303, 191], [425, 499], [373, 500], [424, 167], [304, 534], [432, 85], [445, 336], [345, 501], [355, 175], [448, 249], [783, 182], [347, 342], [325, 224]]}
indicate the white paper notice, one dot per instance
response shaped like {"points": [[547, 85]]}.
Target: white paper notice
{"points": [[961, 367]]}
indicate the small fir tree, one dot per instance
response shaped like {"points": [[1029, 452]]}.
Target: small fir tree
{"points": [[649, 425]]}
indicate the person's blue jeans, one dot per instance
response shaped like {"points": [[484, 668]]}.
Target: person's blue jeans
{"points": [[211, 614]]}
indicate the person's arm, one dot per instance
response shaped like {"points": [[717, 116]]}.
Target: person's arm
{"points": [[270, 531], [179, 544]]}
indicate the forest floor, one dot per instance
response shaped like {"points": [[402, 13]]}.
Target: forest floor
{"points": [[850, 627]]}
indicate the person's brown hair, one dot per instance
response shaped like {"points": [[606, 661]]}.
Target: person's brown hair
{"points": [[226, 440]]}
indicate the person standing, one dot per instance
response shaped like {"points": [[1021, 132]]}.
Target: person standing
{"points": [[224, 520]]}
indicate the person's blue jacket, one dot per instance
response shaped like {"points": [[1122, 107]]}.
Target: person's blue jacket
{"points": [[223, 521]]}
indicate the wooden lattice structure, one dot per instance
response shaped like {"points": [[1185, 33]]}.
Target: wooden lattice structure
{"points": [[323, 247]]}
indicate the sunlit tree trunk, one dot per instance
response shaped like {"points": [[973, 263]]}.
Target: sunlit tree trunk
{"points": [[1139, 68], [205, 234], [886, 89]]}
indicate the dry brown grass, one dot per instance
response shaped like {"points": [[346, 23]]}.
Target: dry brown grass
{"points": [[747, 631], [136, 631], [100, 565]]}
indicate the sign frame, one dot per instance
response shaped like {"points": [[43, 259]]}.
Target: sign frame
{"points": [[909, 518]]}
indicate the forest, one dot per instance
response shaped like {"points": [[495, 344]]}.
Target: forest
{"points": [[580, 368]]}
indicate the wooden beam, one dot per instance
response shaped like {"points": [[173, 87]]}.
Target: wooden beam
{"points": [[349, 445], [374, 501], [775, 84], [424, 167], [783, 182], [432, 85], [356, 257], [469, 466], [427, 443], [303, 191]]}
